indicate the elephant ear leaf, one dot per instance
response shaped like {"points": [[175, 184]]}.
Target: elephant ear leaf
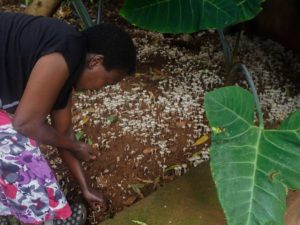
{"points": [[292, 122], [252, 167], [186, 16]]}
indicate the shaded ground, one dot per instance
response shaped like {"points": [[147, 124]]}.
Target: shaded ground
{"points": [[189, 200], [148, 124]]}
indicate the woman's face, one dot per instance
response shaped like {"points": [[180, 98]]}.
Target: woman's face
{"points": [[95, 76]]}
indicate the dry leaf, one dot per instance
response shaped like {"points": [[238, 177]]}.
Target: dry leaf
{"points": [[129, 201], [90, 110], [137, 75], [100, 182], [76, 118], [138, 222], [64, 12], [156, 183], [169, 178], [152, 96], [84, 120], [149, 150], [145, 181], [201, 140], [181, 124], [93, 157], [156, 75]]}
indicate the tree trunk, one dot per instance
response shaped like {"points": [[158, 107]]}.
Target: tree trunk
{"points": [[42, 7]]}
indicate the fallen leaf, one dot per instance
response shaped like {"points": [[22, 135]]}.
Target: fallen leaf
{"points": [[129, 201], [111, 119], [137, 189], [93, 157], [173, 167], [181, 124], [145, 181], [76, 118], [137, 75], [169, 178], [77, 93], [138, 222], [149, 150], [101, 182], [156, 182], [89, 141], [95, 146], [157, 76], [90, 110], [201, 140], [152, 96], [79, 135], [217, 130], [84, 120], [64, 12]]}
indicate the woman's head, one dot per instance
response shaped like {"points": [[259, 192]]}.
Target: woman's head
{"points": [[114, 44], [111, 55]]}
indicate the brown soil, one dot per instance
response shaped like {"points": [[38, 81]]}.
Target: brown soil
{"points": [[149, 122], [292, 216]]}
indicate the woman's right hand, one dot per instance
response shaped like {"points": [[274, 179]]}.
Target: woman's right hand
{"points": [[82, 151]]}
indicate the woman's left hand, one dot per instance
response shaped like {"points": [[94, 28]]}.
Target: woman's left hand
{"points": [[96, 200]]}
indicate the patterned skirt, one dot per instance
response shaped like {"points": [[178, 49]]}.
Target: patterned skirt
{"points": [[28, 188]]}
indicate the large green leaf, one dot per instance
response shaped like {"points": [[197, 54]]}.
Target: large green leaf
{"points": [[186, 16], [252, 167]]}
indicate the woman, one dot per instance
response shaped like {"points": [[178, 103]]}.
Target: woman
{"points": [[41, 61]]}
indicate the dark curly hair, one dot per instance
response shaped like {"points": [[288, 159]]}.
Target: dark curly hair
{"points": [[114, 44]]}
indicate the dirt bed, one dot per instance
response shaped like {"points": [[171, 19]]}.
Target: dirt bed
{"points": [[149, 123]]}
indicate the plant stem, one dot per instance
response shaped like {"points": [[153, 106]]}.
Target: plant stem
{"points": [[226, 51], [100, 11], [249, 79], [82, 13], [235, 49]]}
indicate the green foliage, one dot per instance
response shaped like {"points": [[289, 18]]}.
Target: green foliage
{"points": [[26, 2], [252, 167], [79, 135], [230, 54], [186, 16], [89, 141], [137, 189], [173, 167], [112, 119]]}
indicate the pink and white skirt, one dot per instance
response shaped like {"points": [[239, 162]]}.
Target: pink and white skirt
{"points": [[28, 188]]}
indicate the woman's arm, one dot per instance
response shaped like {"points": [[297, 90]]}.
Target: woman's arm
{"points": [[43, 87], [61, 121]]}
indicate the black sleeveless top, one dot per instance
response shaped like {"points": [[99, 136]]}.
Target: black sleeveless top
{"points": [[23, 40]]}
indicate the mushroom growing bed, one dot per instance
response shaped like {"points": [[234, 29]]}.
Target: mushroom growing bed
{"points": [[144, 129]]}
